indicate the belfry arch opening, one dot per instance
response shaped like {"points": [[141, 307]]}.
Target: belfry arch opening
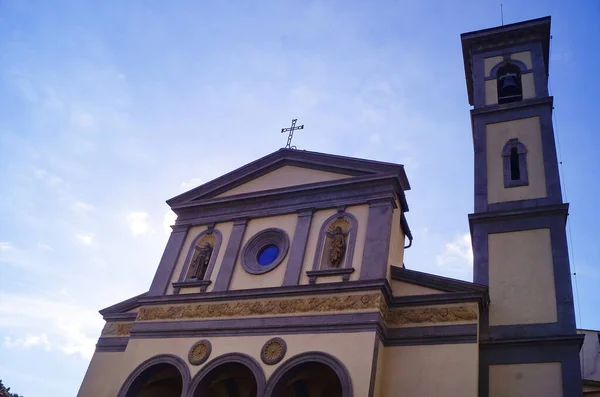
{"points": [[231, 379], [508, 80], [309, 379], [160, 380]]}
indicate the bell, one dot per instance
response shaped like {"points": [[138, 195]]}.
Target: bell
{"points": [[508, 86]]}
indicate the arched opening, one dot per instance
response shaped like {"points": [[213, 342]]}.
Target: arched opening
{"points": [[159, 380], [230, 379], [309, 379], [508, 79]]}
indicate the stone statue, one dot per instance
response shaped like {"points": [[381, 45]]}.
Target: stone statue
{"points": [[337, 247], [200, 264]]}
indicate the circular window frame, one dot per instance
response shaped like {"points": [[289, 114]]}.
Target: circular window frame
{"points": [[261, 239]]}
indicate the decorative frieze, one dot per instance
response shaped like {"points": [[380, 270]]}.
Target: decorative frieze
{"points": [[262, 308], [319, 304], [116, 329], [430, 315]]}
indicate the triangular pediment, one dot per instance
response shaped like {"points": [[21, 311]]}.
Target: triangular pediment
{"points": [[287, 168], [407, 282], [286, 176]]}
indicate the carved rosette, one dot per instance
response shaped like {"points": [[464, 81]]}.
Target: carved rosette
{"points": [[273, 351], [199, 352]]}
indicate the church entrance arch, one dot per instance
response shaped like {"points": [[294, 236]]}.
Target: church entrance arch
{"points": [[311, 374], [160, 376], [230, 375]]}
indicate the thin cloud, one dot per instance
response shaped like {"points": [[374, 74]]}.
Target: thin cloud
{"points": [[85, 238], [6, 246], [139, 223], [28, 342], [80, 206], [457, 254], [192, 183], [168, 220]]}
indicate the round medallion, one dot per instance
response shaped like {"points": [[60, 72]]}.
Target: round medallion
{"points": [[199, 352], [273, 351]]}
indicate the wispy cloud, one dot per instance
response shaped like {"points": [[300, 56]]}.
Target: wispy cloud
{"points": [[70, 328], [45, 247], [85, 238], [5, 246], [192, 183], [168, 220], [80, 206], [457, 254], [27, 342], [139, 223]]}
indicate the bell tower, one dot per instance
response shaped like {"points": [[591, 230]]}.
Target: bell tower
{"points": [[528, 341]]}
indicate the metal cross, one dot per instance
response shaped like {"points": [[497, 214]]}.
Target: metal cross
{"points": [[291, 130]]}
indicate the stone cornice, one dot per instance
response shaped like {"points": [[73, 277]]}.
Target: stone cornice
{"points": [[283, 157], [330, 194]]}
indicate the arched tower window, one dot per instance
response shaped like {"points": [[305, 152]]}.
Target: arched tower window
{"points": [[508, 78], [514, 157], [515, 173]]}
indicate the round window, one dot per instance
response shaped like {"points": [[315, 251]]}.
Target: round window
{"points": [[267, 255], [265, 251]]}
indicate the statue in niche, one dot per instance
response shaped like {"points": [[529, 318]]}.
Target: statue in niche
{"points": [[200, 263], [337, 246]]}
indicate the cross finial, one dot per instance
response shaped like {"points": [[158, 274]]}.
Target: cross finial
{"points": [[291, 130]]}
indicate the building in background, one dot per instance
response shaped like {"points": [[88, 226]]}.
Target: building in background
{"points": [[286, 276], [590, 362]]}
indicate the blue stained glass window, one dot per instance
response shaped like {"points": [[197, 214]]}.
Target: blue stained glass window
{"points": [[267, 255]]}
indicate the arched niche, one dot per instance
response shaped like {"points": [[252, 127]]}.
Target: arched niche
{"points": [[337, 230], [160, 376], [196, 271], [230, 375], [310, 374]]}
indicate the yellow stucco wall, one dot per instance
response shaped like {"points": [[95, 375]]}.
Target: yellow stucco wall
{"points": [[521, 278], [241, 278], [523, 56], [527, 130], [400, 288], [225, 229], [377, 391], [283, 177], [490, 62], [491, 92], [361, 213], [528, 86], [103, 377], [430, 371], [526, 380], [396, 254]]}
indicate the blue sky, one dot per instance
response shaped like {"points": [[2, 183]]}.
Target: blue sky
{"points": [[109, 108]]}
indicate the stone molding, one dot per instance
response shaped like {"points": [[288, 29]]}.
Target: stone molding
{"points": [[134, 379], [274, 386]]}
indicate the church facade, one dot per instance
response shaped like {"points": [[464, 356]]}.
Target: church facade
{"points": [[285, 277]]}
